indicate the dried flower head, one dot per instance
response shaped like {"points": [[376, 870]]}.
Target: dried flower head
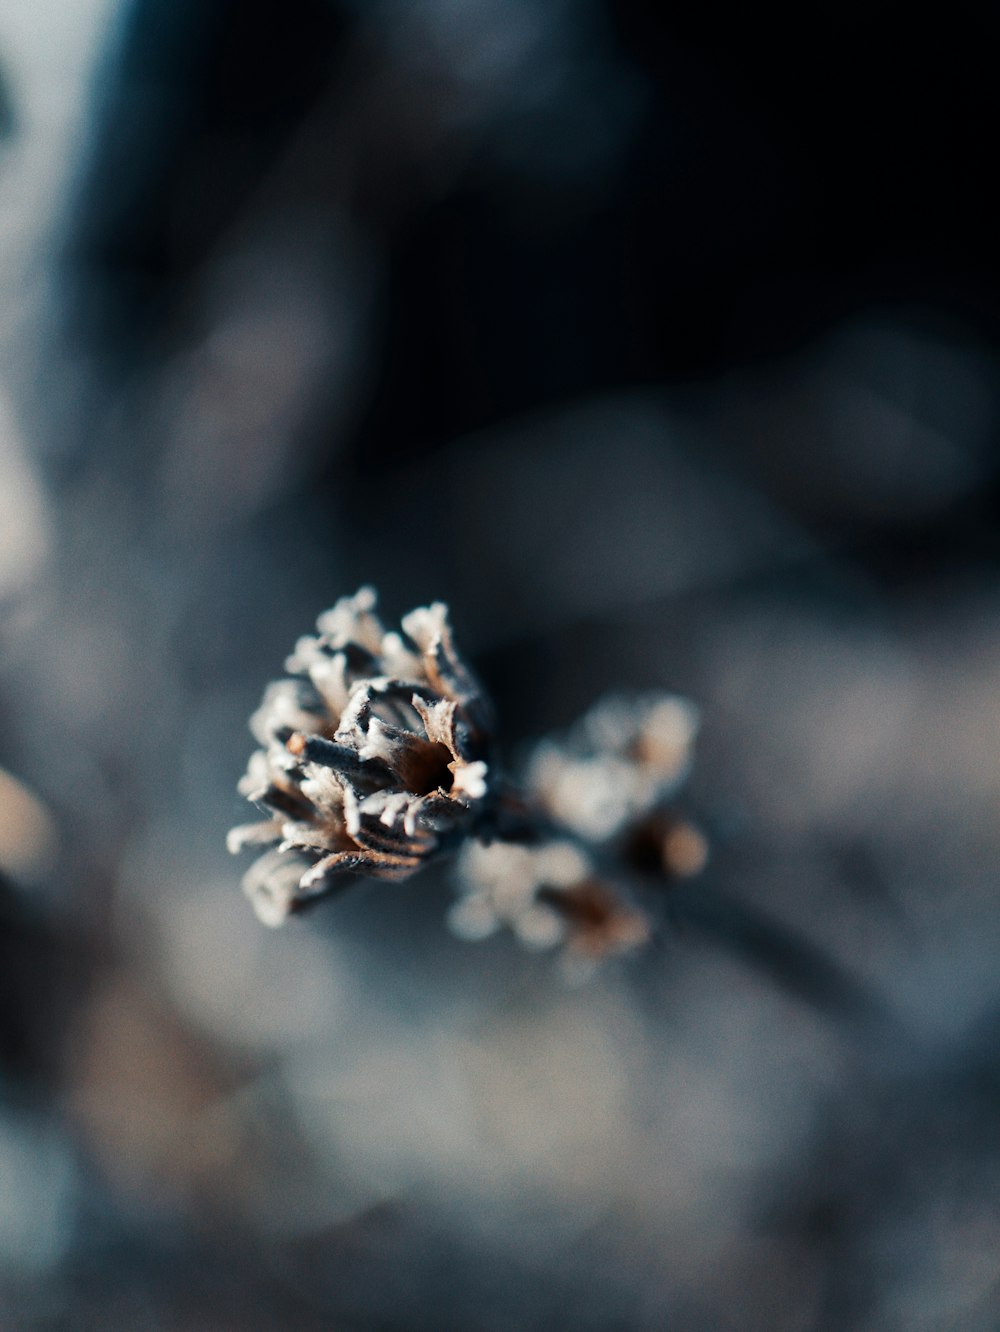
{"points": [[620, 760], [598, 799], [374, 756], [501, 883], [547, 895]]}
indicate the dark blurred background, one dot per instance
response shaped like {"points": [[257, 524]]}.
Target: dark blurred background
{"points": [[663, 347]]}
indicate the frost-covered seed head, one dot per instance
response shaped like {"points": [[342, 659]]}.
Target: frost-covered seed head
{"points": [[374, 756], [622, 758], [547, 895]]}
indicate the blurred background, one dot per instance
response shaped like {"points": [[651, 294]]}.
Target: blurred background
{"points": [[663, 348]]}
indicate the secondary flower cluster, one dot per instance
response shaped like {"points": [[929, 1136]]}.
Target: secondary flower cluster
{"points": [[601, 793], [375, 757]]}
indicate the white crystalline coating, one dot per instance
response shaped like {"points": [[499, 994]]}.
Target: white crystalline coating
{"points": [[352, 620], [414, 807], [513, 871], [264, 768], [427, 625], [281, 708], [256, 777], [539, 927], [389, 808], [497, 866], [350, 726], [624, 756], [399, 662], [252, 834], [561, 864], [591, 796], [322, 787], [501, 882], [352, 810], [473, 918], [294, 834], [272, 884], [304, 655], [379, 743], [481, 914], [657, 729], [437, 718], [429, 629], [328, 675], [470, 780]]}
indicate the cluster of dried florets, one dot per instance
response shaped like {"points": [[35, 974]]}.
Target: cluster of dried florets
{"points": [[549, 894], [622, 758], [375, 757], [602, 795]]}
